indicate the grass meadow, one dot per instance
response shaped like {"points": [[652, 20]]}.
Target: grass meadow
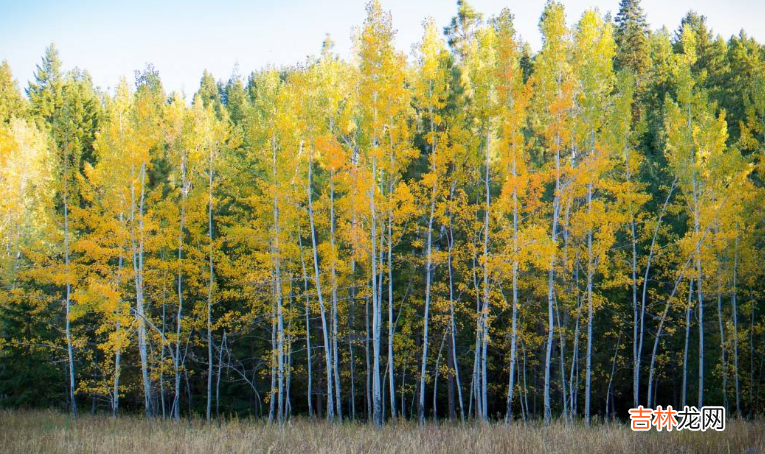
{"points": [[31, 432]]}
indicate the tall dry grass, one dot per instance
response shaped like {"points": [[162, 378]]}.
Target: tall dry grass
{"points": [[51, 432]]}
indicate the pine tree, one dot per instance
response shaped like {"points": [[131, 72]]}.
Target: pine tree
{"points": [[12, 104], [631, 36]]}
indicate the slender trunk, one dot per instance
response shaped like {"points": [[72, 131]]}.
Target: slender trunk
{"points": [[351, 320], [220, 370], [551, 288], [210, 287], [335, 354], [688, 309], [376, 304], [176, 408], [561, 326], [723, 358], [613, 371], [751, 361], [485, 309], [662, 319], [475, 385], [452, 322], [309, 363], [322, 310], [428, 279], [69, 346], [700, 292], [287, 402], [635, 315], [278, 293], [575, 353], [117, 370], [590, 273], [162, 355], [391, 323], [435, 376], [118, 327], [368, 362], [274, 370], [525, 383], [514, 330], [734, 303], [137, 240], [643, 300], [635, 312]]}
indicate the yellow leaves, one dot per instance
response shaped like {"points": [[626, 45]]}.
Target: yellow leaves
{"points": [[26, 183], [432, 79], [404, 200], [334, 154]]}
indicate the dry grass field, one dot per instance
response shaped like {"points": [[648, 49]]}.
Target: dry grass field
{"points": [[51, 432]]}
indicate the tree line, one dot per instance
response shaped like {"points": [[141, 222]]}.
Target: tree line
{"points": [[472, 231]]}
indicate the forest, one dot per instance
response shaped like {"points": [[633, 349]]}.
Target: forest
{"points": [[469, 231]]}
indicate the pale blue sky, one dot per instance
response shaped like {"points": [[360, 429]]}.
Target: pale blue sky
{"points": [[182, 38]]}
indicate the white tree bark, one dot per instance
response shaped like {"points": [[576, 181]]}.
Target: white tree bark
{"points": [[322, 310], [137, 240], [514, 330], [176, 407], [68, 302], [486, 304], [335, 351], [210, 287], [551, 288], [734, 303]]}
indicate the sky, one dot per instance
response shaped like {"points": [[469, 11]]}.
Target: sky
{"points": [[181, 39]]}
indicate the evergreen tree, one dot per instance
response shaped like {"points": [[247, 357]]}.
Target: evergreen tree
{"points": [[46, 90], [632, 38], [12, 104]]}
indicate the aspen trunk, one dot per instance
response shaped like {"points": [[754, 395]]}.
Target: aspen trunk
{"points": [[475, 385], [210, 288], [309, 363], [68, 328], [452, 322], [613, 371], [118, 349], [322, 310], [351, 320], [428, 279], [278, 294], [137, 246], [590, 272], [734, 303], [643, 300], [485, 309], [687, 342], [635, 313], [391, 322], [721, 325], [700, 293], [335, 351], [551, 291], [575, 354], [368, 362], [514, 330], [635, 317], [176, 407]]}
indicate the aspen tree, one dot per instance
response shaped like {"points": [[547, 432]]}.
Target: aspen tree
{"points": [[513, 99], [385, 105], [431, 92], [553, 84], [694, 134], [594, 49]]}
